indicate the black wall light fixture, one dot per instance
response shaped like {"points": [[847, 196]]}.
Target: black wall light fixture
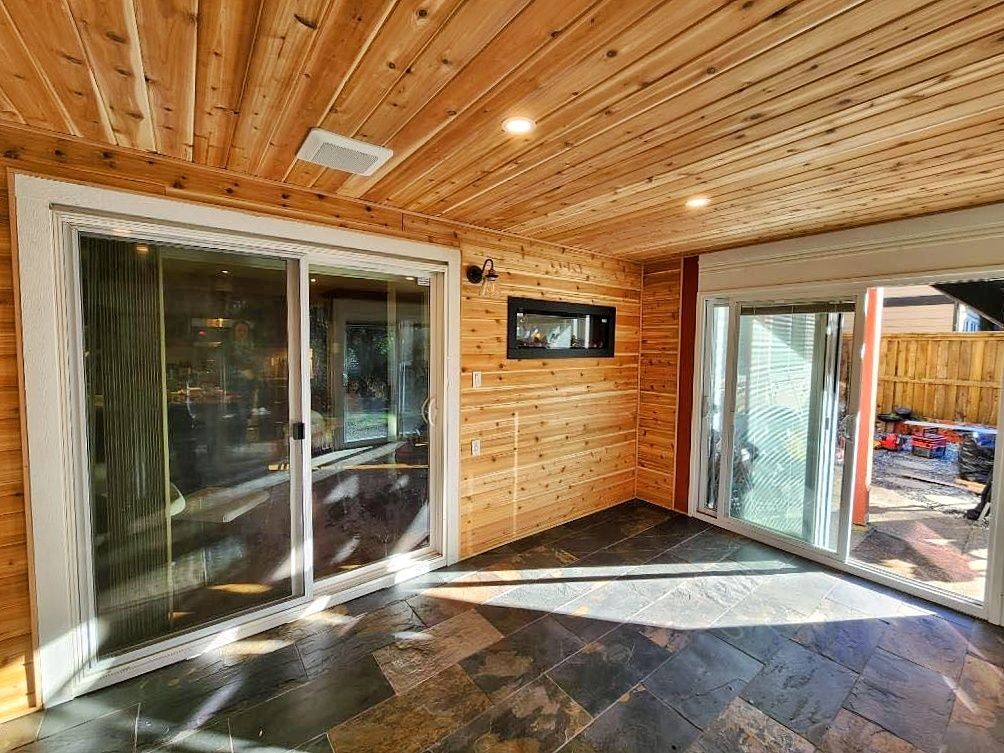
{"points": [[485, 276]]}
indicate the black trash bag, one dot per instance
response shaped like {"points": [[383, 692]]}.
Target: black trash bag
{"points": [[976, 458]]}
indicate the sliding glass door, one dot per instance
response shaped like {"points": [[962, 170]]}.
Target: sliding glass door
{"points": [[187, 412], [370, 393], [775, 400], [256, 429]]}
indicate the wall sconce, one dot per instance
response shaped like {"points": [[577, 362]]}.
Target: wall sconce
{"points": [[485, 276]]}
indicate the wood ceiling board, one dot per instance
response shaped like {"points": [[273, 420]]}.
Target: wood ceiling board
{"points": [[168, 42], [694, 155], [725, 105], [23, 84], [528, 36], [949, 97], [57, 48], [226, 32], [626, 105], [345, 38], [285, 35], [794, 116], [735, 205], [110, 40], [577, 57], [374, 114]]}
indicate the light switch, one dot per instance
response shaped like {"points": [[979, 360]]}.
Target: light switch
{"points": [[477, 379], [475, 447]]}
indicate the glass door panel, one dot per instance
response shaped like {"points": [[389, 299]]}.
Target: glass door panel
{"points": [[713, 401], [785, 420], [186, 400], [369, 426]]}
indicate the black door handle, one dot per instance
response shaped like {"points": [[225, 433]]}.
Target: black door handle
{"points": [[299, 430]]}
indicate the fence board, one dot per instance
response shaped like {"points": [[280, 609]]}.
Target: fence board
{"points": [[945, 376]]}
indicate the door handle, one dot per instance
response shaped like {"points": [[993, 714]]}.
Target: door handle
{"points": [[298, 431]]}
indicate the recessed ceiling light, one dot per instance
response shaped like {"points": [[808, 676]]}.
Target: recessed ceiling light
{"points": [[697, 202], [224, 271], [518, 125], [313, 279]]}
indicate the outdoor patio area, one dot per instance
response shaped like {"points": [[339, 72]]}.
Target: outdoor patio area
{"points": [[917, 526]]}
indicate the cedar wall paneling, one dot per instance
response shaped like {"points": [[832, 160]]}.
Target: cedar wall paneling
{"points": [[658, 382], [558, 438]]}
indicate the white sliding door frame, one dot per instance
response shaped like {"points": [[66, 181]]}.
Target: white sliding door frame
{"points": [[48, 217], [947, 247]]}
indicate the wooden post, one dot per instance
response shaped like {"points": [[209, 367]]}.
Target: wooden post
{"points": [[869, 388]]}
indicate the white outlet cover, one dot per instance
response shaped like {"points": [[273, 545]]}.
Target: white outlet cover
{"points": [[477, 379], [475, 447]]}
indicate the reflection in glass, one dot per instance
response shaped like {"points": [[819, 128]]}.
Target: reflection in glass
{"points": [[369, 389], [714, 397], [186, 394], [786, 415]]}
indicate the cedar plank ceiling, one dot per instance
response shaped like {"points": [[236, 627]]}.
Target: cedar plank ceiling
{"points": [[794, 116]]}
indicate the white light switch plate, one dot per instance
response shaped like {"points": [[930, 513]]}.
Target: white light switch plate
{"points": [[475, 447], [477, 379]]}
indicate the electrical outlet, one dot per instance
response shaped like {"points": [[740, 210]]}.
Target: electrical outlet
{"points": [[477, 379], [475, 447]]}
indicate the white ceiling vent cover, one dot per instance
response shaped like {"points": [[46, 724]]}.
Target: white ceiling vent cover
{"points": [[342, 153]]}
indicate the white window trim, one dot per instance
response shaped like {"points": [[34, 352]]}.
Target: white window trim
{"points": [[43, 210]]}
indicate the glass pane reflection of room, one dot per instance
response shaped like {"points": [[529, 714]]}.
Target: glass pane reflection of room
{"points": [[369, 417], [186, 382]]}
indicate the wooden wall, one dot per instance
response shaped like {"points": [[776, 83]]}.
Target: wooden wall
{"points": [[658, 384], [945, 377], [558, 437]]}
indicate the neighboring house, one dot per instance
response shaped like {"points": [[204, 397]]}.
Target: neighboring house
{"points": [[918, 308]]}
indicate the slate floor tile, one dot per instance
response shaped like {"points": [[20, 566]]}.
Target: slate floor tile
{"points": [[20, 731], [432, 610], [987, 642], [711, 545], [602, 671], [637, 722], [801, 591], [929, 641], [512, 662], [850, 733], [299, 715], [743, 728], [800, 689], [701, 680], [867, 598], [415, 720], [977, 721], [910, 701], [409, 662], [246, 673], [327, 640], [112, 733], [759, 641], [539, 717], [214, 738], [687, 607], [756, 557], [508, 619], [841, 633], [608, 605]]}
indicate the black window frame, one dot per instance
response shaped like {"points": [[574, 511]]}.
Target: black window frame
{"points": [[536, 306]]}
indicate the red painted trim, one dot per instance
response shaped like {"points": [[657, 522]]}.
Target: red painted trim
{"points": [[685, 382]]}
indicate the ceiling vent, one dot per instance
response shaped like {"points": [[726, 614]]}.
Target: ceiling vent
{"points": [[342, 153]]}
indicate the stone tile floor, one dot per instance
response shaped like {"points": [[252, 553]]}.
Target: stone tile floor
{"points": [[632, 630]]}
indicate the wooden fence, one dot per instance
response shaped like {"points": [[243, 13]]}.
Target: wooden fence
{"points": [[947, 376]]}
